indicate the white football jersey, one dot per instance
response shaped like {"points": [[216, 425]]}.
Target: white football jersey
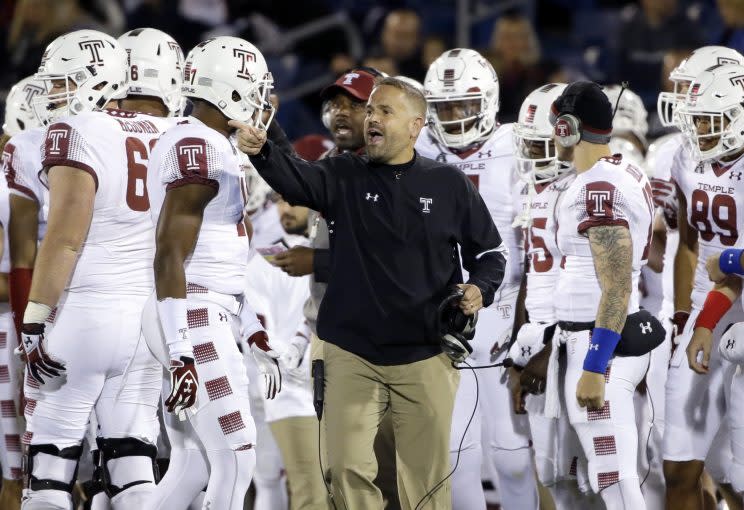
{"points": [[112, 146], [659, 162], [540, 244], [21, 166], [715, 208], [492, 168], [190, 152], [612, 192]]}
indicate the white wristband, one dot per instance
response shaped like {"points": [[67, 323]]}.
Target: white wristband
{"points": [[249, 322], [173, 319], [36, 313]]}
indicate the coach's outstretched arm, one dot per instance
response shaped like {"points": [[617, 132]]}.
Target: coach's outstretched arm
{"points": [[612, 253], [299, 182]]}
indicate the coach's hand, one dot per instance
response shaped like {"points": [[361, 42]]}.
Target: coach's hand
{"points": [[472, 300], [184, 381], [702, 341], [590, 390], [40, 365], [297, 261], [250, 139]]}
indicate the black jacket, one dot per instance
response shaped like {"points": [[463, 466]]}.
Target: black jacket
{"points": [[394, 233]]}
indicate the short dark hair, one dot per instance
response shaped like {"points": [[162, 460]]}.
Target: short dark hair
{"points": [[411, 92]]}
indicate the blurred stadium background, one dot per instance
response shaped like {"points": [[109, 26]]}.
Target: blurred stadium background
{"points": [[308, 42]]}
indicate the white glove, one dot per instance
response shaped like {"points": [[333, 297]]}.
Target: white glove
{"points": [[293, 355], [529, 342], [267, 360]]}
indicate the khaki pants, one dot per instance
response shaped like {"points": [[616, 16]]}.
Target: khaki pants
{"points": [[298, 441], [420, 397]]}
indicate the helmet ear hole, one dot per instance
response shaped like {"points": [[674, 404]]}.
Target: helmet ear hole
{"points": [[235, 96]]}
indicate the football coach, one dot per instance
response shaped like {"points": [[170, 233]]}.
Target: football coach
{"points": [[395, 222]]}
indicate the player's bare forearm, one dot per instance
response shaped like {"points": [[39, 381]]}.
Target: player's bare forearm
{"points": [[23, 230], [178, 229], [658, 245], [4, 288], [685, 260], [71, 196], [612, 251]]}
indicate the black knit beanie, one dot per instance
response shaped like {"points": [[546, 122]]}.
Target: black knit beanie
{"points": [[586, 101]]}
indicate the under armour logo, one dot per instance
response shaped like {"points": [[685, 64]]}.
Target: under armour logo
{"points": [[192, 153], [735, 175], [372, 197], [730, 343], [526, 351], [594, 347], [349, 77], [188, 382], [245, 56], [646, 328], [427, 202], [55, 136], [598, 197], [223, 317], [93, 47], [484, 153]]}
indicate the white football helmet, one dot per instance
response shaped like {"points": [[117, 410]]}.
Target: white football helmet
{"points": [[715, 99], [93, 61], [462, 75], [630, 114], [533, 135], [19, 113], [155, 66], [231, 74], [700, 60]]}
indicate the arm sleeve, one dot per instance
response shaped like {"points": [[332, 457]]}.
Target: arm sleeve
{"points": [[483, 252], [300, 182], [322, 265], [276, 134], [191, 160], [600, 203], [16, 175], [65, 146]]}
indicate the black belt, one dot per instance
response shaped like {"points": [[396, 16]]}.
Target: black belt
{"points": [[575, 326]]}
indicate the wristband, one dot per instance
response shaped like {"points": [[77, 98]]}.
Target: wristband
{"points": [[36, 313], [730, 261], [716, 305], [601, 347], [173, 320]]}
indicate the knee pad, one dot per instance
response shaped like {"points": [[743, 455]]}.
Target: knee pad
{"points": [[48, 467], [126, 462], [512, 463]]}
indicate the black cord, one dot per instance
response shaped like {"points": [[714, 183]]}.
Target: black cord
{"points": [[322, 472], [479, 367], [439, 484], [623, 87]]}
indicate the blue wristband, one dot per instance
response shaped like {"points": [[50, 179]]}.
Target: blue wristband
{"points": [[601, 348], [730, 262]]}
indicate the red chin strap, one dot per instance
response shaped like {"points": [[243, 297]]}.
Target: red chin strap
{"points": [[20, 287]]}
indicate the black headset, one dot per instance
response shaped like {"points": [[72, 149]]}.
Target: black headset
{"points": [[567, 129]]}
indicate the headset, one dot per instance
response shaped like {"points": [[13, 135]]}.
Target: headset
{"points": [[568, 130]]}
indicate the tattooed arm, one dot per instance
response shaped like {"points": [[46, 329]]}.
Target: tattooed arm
{"points": [[612, 251]]}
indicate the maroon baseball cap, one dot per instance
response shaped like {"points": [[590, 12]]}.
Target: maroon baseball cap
{"points": [[357, 83]]}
